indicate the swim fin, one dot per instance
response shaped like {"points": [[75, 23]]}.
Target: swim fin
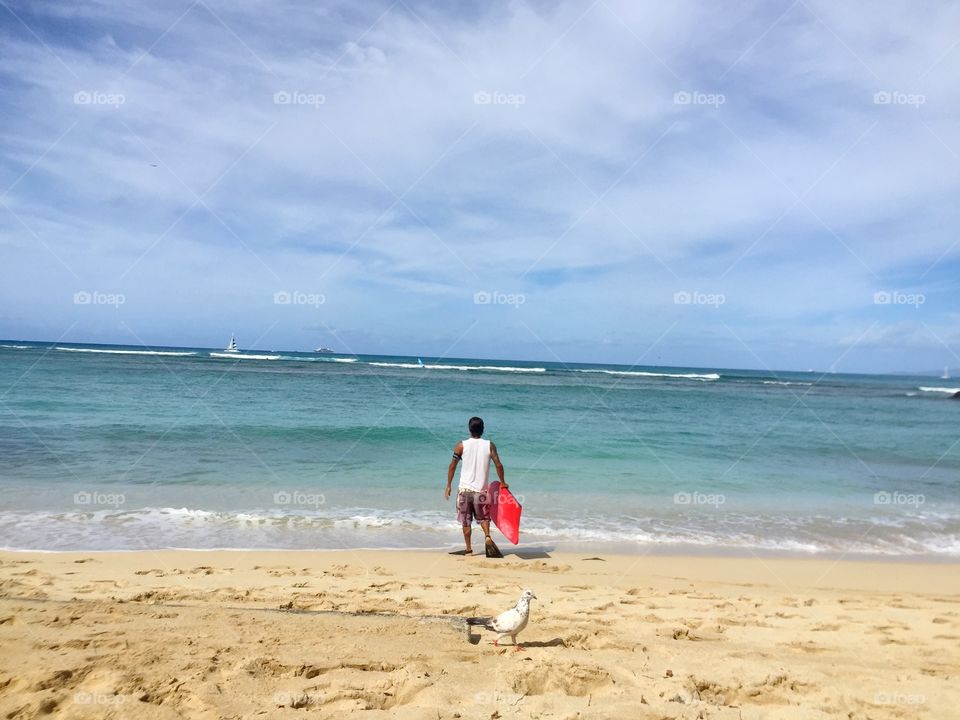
{"points": [[492, 550]]}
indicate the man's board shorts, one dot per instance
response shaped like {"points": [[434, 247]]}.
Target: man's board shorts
{"points": [[472, 505]]}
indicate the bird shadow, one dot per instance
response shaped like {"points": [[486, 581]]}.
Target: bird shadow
{"points": [[556, 642]]}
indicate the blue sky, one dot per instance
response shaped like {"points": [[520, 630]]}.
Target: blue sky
{"points": [[769, 184]]}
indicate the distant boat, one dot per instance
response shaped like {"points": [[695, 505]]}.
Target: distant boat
{"points": [[946, 373], [323, 349], [232, 347], [420, 362]]}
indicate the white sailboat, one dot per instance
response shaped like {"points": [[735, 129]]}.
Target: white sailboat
{"points": [[946, 373], [233, 353]]}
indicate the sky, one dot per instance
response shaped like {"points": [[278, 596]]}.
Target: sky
{"points": [[767, 185]]}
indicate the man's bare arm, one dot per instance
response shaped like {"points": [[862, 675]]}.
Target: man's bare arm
{"points": [[497, 464], [452, 468]]}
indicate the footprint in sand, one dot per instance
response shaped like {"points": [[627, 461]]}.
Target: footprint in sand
{"points": [[824, 627], [156, 572], [286, 572], [390, 585], [778, 689], [694, 634], [808, 647], [601, 608], [570, 679]]}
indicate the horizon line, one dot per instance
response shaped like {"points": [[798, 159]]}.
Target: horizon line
{"points": [[772, 372]]}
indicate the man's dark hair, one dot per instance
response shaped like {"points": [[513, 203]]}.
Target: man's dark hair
{"points": [[475, 426]]}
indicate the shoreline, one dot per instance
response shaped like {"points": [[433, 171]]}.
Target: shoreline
{"points": [[683, 552]]}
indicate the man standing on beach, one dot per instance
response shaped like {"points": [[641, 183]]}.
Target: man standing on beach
{"points": [[476, 454]]}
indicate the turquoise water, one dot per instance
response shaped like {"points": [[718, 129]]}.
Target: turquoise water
{"points": [[106, 449]]}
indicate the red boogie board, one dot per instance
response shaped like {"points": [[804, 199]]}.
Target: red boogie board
{"points": [[505, 511]]}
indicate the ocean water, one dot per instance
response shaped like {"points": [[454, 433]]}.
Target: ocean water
{"points": [[112, 447]]}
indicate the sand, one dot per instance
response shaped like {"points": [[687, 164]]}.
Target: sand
{"points": [[375, 634]]}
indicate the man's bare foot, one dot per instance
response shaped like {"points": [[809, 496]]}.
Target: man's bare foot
{"points": [[468, 551]]}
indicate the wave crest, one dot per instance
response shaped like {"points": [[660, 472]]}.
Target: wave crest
{"points": [[168, 353], [496, 368], [703, 377]]}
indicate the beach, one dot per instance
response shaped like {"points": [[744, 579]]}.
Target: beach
{"points": [[661, 299], [184, 535], [243, 634]]}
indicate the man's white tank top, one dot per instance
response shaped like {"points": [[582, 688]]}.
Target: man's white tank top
{"points": [[475, 467]]}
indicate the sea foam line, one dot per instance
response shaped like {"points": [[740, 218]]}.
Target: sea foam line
{"points": [[499, 368], [243, 356], [638, 373], [184, 527], [952, 391], [318, 359], [127, 352]]}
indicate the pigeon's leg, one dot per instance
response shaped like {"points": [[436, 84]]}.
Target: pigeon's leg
{"points": [[516, 647]]}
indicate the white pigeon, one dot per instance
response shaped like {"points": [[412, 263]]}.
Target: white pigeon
{"points": [[511, 622]]}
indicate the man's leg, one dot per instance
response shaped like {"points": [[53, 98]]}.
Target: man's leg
{"points": [[485, 524], [465, 516]]}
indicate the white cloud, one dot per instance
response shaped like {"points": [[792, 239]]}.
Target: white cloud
{"points": [[308, 191]]}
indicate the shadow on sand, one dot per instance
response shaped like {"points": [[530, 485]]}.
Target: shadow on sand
{"points": [[556, 642], [533, 554], [538, 554]]}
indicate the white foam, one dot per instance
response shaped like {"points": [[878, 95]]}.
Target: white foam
{"points": [[952, 391], [943, 545], [784, 382], [170, 353], [243, 356], [499, 368], [318, 359], [16, 347], [301, 527], [638, 373]]}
